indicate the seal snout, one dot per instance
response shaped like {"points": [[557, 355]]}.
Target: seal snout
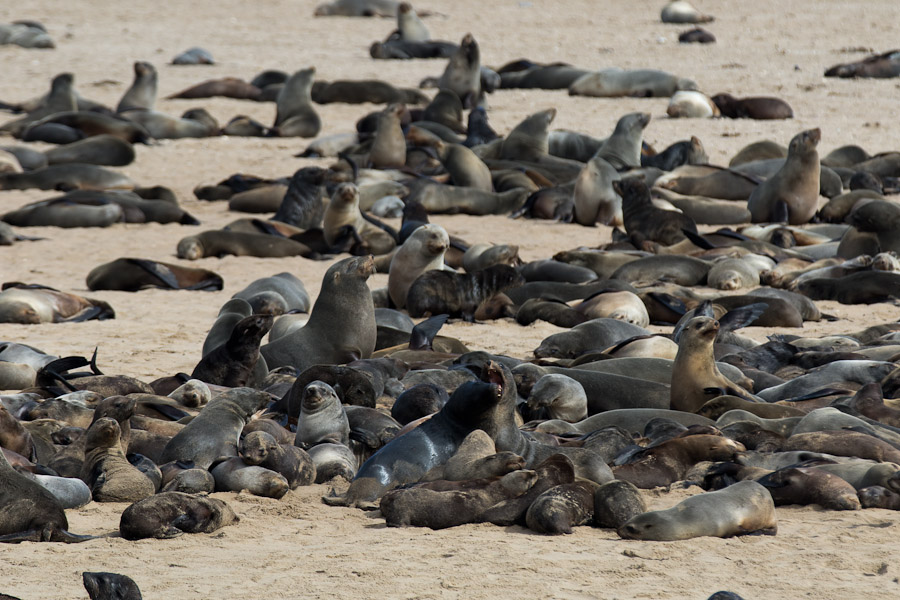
{"points": [[814, 135]]}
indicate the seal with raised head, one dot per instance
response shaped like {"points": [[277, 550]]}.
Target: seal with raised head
{"points": [[422, 251], [791, 194], [215, 432], [322, 417], [169, 514], [622, 149], [106, 470], [463, 72], [341, 327], [595, 199], [646, 222], [295, 115], [343, 212], [142, 93], [743, 508], [232, 363]]}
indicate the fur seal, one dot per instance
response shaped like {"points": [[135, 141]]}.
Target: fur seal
{"points": [[110, 586], [142, 93], [698, 35], [438, 292], [193, 123], [234, 475], [670, 461], [754, 107], [194, 56], [343, 212], [341, 327], [421, 506], [687, 104], [616, 502], [867, 287], [792, 193], [333, 460], [561, 396], [596, 334], [169, 514], [463, 72], [295, 116], [358, 8], [66, 176], [695, 377], [623, 148], [642, 83], [388, 149], [401, 49], [410, 26], [322, 417], [275, 295], [38, 304], [30, 512], [732, 274], [562, 507], [258, 448], [366, 91], [214, 432], [220, 242], [135, 274], [104, 149], [644, 221], [476, 458], [232, 363], [422, 251], [302, 204], [594, 198], [879, 66], [106, 470], [743, 508], [802, 485], [681, 11]]}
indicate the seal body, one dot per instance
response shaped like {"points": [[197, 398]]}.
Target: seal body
{"points": [[792, 193], [169, 514]]}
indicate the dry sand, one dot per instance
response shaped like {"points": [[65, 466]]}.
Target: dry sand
{"points": [[298, 547]]}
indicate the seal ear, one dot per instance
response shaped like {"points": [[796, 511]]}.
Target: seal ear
{"points": [[336, 277]]}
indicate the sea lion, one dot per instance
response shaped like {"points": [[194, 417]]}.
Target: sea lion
{"points": [[422, 251], [616, 502], [37, 304], [681, 11], [644, 221], [295, 116], [463, 503], [792, 193], [302, 205], [106, 470], [642, 83], [169, 514], [214, 432], [562, 507], [322, 417], [755, 107], [342, 212], [232, 363], [438, 292], [135, 274], [234, 475], [742, 508], [463, 72], [220, 242], [341, 327], [142, 93], [695, 377], [687, 104]]}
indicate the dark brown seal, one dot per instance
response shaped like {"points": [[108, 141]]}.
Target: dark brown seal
{"points": [[458, 294], [880, 66], [646, 222], [616, 502], [232, 363], [802, 485], [561, 508], [752, 107], [134, 274], [110, 586], [169, 514], [669, 462]]}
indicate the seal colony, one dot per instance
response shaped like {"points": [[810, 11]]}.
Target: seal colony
{"points": [[557, 280]]}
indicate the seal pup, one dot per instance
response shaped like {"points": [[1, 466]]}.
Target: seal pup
{"points": [[695, 377], [436, 292], [743, 508], [343, 212], [341, 327], [232, 363], [135, 274], [803, 485], [110, 586], [106, 470], [616, 502], [295, 116], [644, 222], [791, 194], [169, 514], [142, 93], [259, 448], [562, 507], [422, 251], [752, 107], [681, 11]]}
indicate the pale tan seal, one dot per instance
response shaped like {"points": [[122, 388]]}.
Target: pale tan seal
{"points": [[681, 11], [342, 212], [689, 104], [106, 470], [742, 508], [595, 199], [389, 146], [624, 306], [410, 26], [422, 251], [561, 396], [791, 194], [295, 115]]}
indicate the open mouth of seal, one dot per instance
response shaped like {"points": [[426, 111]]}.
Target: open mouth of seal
{"points": [[494, 376]]}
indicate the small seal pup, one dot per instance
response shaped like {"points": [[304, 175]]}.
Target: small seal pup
{"points": [[169, 514], [742, 508], [110, 586], [343, 212], [438, 292], [259, 448], [562, 396], [562, 507], [644, 221], [422, 251], [695, 377], [791, 194], [341, 327], [232, 363], [322, 417], [295, 115]]}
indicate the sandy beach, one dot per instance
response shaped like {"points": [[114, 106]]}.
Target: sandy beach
{"points": [[297, 547]]}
